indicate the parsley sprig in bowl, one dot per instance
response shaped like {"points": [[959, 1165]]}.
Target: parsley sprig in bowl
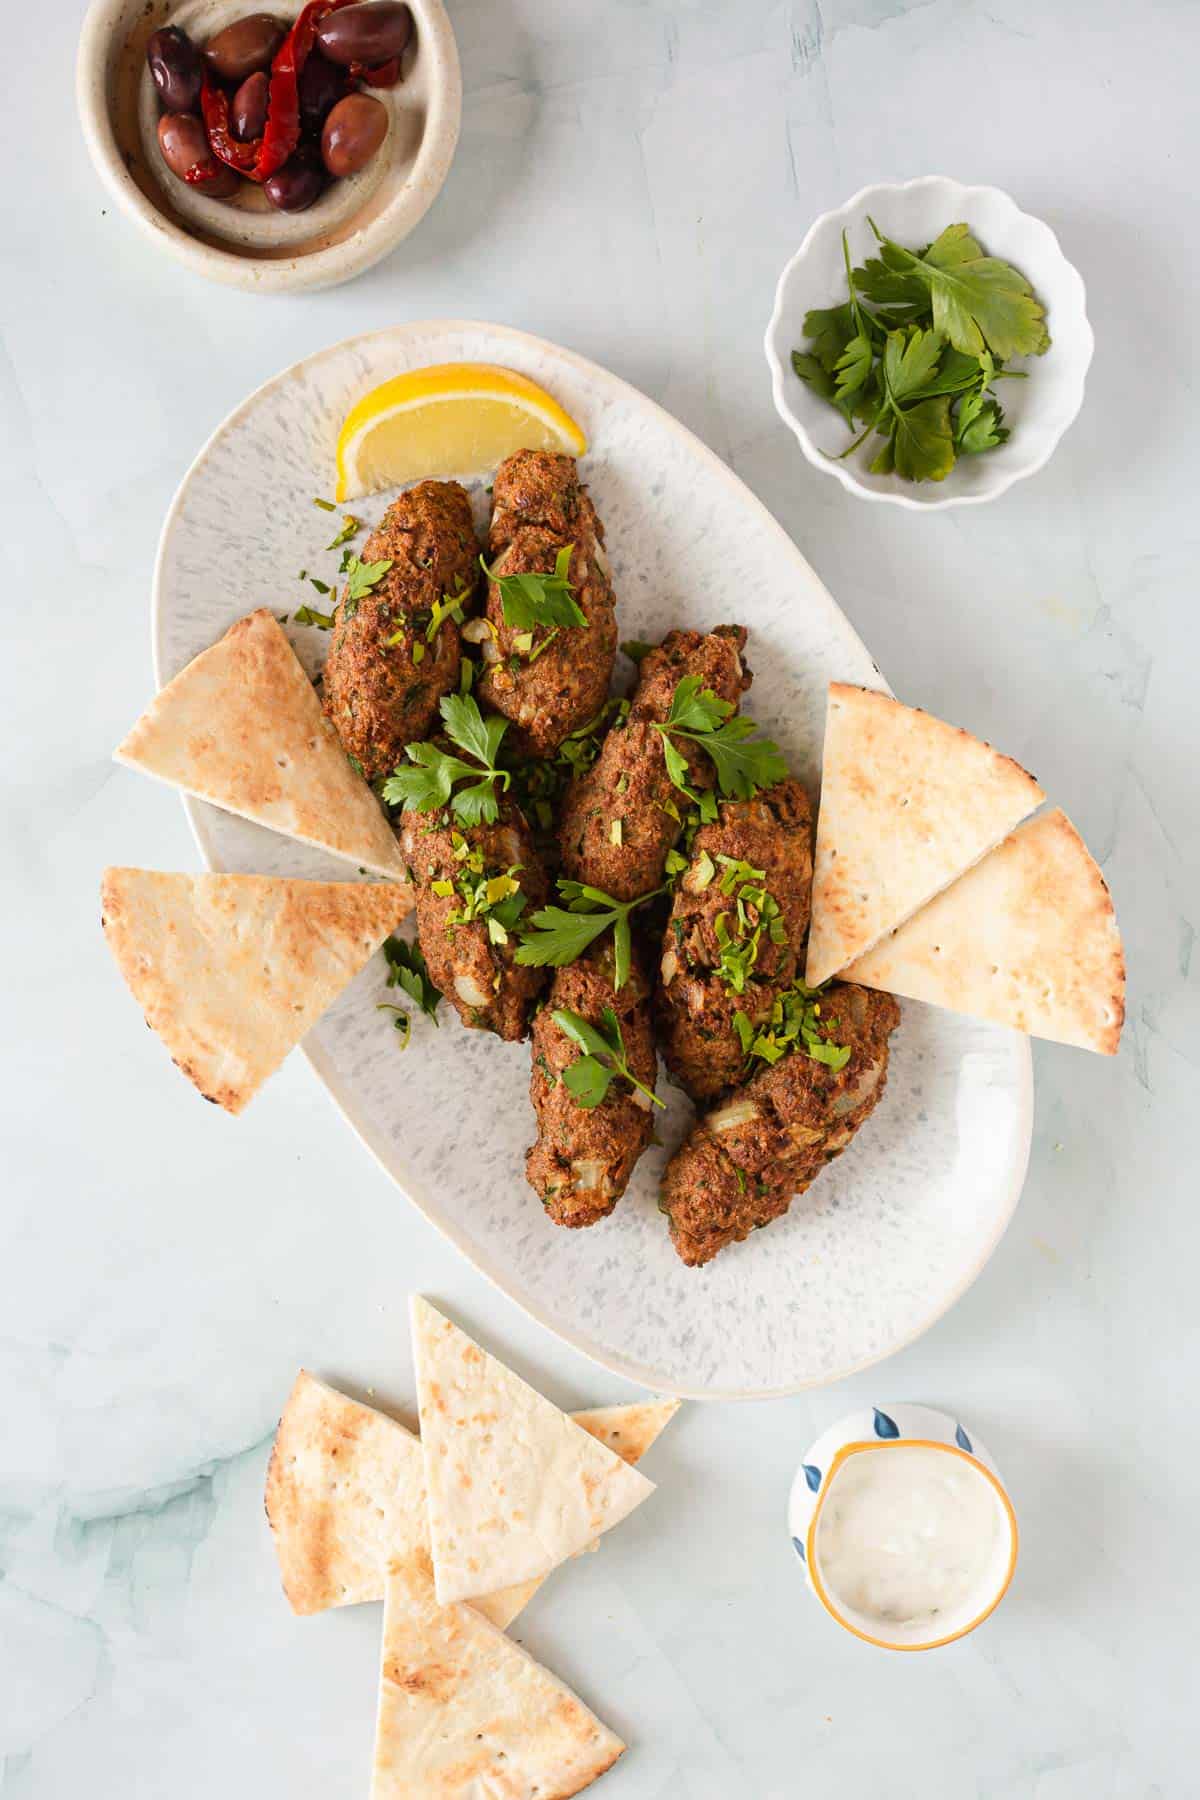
{"points": [[912, 327]]}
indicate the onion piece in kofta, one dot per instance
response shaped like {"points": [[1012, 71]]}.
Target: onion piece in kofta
{"points": [[396, 647], [620, 819], [473, 884], [548, 677], [743, 1164], [733, 941], [585, 1155]]}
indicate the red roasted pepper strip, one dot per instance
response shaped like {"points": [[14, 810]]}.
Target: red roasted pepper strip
{"points": [[263, 156], [383, 75]]}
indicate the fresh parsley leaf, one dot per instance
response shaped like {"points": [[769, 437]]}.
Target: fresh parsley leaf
{"points": [[466, 726], [603, 1061], [532, 600], [977, 300], [589, 1080], [743, 762], [556, 935], [431, 783], [696, 708], [981, 428], [407, 969], [364, 577], [830, 329]]}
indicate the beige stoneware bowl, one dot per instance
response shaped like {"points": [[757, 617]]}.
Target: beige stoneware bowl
{"points": [[245, 243]]}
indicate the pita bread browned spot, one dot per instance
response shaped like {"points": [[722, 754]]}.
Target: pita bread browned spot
{"points": [[908, 804], [231, 971], [464, 1712], [241, 726], [515, 1487], [346, 1492], [1027, 938]]}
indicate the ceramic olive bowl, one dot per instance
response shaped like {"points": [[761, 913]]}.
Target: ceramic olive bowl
{"points": [[246, 243]]}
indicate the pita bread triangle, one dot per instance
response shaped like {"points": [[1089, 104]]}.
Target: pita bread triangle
{"points": [[514, 1485], [242, 726], [346, 1493], [908, 804], [465, 1712], [1027, 938], [231, 971]]}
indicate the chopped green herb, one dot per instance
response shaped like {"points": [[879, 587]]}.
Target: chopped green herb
{"points": [[364, 577], [400, 1020], [407, 969], [350, 528], [325, 505], [636, 649], [448, 607], [308, 615]]}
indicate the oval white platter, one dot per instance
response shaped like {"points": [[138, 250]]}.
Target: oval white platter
{"points": [[899, 1226]]}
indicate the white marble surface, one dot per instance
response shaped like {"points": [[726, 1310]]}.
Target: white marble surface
{"points": [[632, 176]]}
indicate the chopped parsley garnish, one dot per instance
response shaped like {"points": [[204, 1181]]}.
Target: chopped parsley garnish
{"points": [[448, 607], [308, 615], [636, 649], [743, 762], [532, 600], [559, 935], [496, 898], [325, 505], [603, 1061], [432, 783], [400, 1020], [407, 970], [350, 528], [795, 1022]]}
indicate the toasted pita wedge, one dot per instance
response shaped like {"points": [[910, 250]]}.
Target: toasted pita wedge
{"points": [[232, 970], [1028, 938], [465, 1713], [908, 804], [241, 726], [515, 1486], [346, 1492]]}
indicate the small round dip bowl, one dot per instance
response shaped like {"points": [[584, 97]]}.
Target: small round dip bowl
{"points": [[876, 1431], [245, 242]]}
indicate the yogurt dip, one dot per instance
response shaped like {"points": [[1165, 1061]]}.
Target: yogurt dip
{"points": [[907, 1533]]}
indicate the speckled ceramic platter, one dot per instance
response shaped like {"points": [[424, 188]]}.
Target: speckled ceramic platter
{"points": [[895, 1230]]}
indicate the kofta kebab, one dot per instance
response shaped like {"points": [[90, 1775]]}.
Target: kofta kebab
{"points": [[601, 875]]}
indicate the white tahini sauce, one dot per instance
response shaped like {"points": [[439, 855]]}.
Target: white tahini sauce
{"points": [[906, 1533]]}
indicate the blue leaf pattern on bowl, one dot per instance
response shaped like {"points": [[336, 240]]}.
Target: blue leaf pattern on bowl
{"points": [[963, 1441], [885, 1427], [812, 1476], [798, 1547]]}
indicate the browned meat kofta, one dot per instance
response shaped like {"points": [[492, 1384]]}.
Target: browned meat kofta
{"points": [[620, 819], [396, 647], [743, 1164], [548, 677], [584, 1155], [473, 884], [733, 940]]}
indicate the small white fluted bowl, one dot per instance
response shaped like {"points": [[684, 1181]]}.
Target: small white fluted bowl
{"points": [[1037, 410]]}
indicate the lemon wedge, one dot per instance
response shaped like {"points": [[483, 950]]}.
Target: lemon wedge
{"points": [[449, 419]]}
